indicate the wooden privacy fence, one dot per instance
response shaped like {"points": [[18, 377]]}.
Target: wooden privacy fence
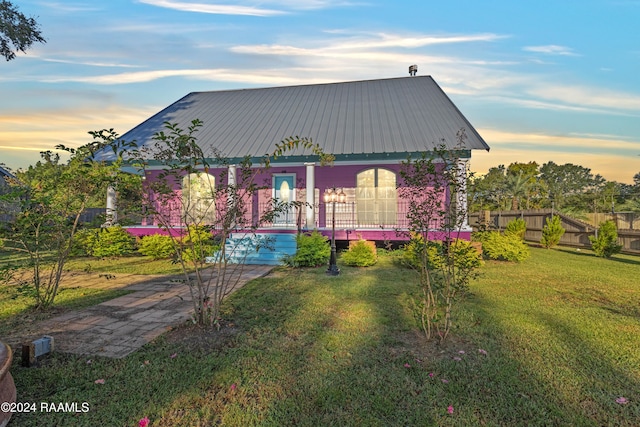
{"points": [[577, 232]]}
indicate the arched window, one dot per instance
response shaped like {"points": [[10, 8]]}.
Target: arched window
{"points": [[198, 198], [377, 198]]}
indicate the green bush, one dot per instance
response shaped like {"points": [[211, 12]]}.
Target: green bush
{"points": [[197, 244], [157, 246], [606, 244], [415, 249], [517, 227], [360, 254], [110, 242], [83, 241], [313, 251], [503, 247], [552, 232], [464, 255]]}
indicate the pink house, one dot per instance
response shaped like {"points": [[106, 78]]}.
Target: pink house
{"points": [[370, 127]]}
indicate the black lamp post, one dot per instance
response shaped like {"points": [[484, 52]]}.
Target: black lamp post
{"points": [[332, 196]]}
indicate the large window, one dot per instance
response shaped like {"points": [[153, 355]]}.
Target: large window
{"points": [[377, 198], [198, 198]]}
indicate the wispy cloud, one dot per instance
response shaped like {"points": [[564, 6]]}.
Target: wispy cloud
{"points": [[70, 7], [90, 63], [368, 41], [567, 105], [126, 78], [551, 49], [565, 142], [313, 61], [255, 76], [586, 96], [317, 4], [344, 53], [385, 40], [218, 9]]}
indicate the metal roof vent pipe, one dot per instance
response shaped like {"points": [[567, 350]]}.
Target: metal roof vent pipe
{"points": [[413, 70]]}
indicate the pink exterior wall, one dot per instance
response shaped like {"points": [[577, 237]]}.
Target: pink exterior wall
{"points": [[326, 177]]}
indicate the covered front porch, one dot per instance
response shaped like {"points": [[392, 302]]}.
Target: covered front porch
{"points": [[368, 207]]}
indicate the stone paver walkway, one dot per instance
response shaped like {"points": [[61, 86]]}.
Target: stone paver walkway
{"points": [[120, 326]]}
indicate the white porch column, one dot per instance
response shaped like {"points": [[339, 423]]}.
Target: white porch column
{"points": [[111, 214], [311, 196], [231, 178], [231, 182], [461, 197]]}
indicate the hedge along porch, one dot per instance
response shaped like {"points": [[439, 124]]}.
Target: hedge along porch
{"points": [[370, 127]]}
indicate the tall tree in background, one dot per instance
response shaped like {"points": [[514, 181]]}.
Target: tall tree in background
{"points": [[525, 186], [570, 185], [489, 191], [17, 32]]}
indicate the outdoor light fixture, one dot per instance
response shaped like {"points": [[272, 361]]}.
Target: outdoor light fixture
{"points": [[332, 196]]}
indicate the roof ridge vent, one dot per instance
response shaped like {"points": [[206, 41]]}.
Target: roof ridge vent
{"points": [[413, 70]]}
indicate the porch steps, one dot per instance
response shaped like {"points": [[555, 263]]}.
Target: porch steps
{"points": [[261, 248]]}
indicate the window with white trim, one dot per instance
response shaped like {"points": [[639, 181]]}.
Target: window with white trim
{"points": [[198, 198], [377, 197]]}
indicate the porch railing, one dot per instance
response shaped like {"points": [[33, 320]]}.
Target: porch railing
{"points": [[346, 216]]}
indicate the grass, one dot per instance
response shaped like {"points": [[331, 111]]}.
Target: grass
{"points": [[134, 264], [124, 265], [300, 348]]}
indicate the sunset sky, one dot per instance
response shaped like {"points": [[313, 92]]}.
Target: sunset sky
{"points": [[548, 80]]}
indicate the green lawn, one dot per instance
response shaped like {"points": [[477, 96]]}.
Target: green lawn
{"points": [[125, 265], [560, 331]]}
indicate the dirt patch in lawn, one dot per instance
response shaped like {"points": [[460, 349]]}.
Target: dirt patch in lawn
{"points": [[415, 343], [201, 339]]}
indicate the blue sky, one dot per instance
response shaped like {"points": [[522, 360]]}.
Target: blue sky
{"points": [[546, 80]]}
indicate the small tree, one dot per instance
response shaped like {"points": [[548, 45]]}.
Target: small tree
{"points": [[52, 197], [552, 232], [606, 244], [442, 279]]}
